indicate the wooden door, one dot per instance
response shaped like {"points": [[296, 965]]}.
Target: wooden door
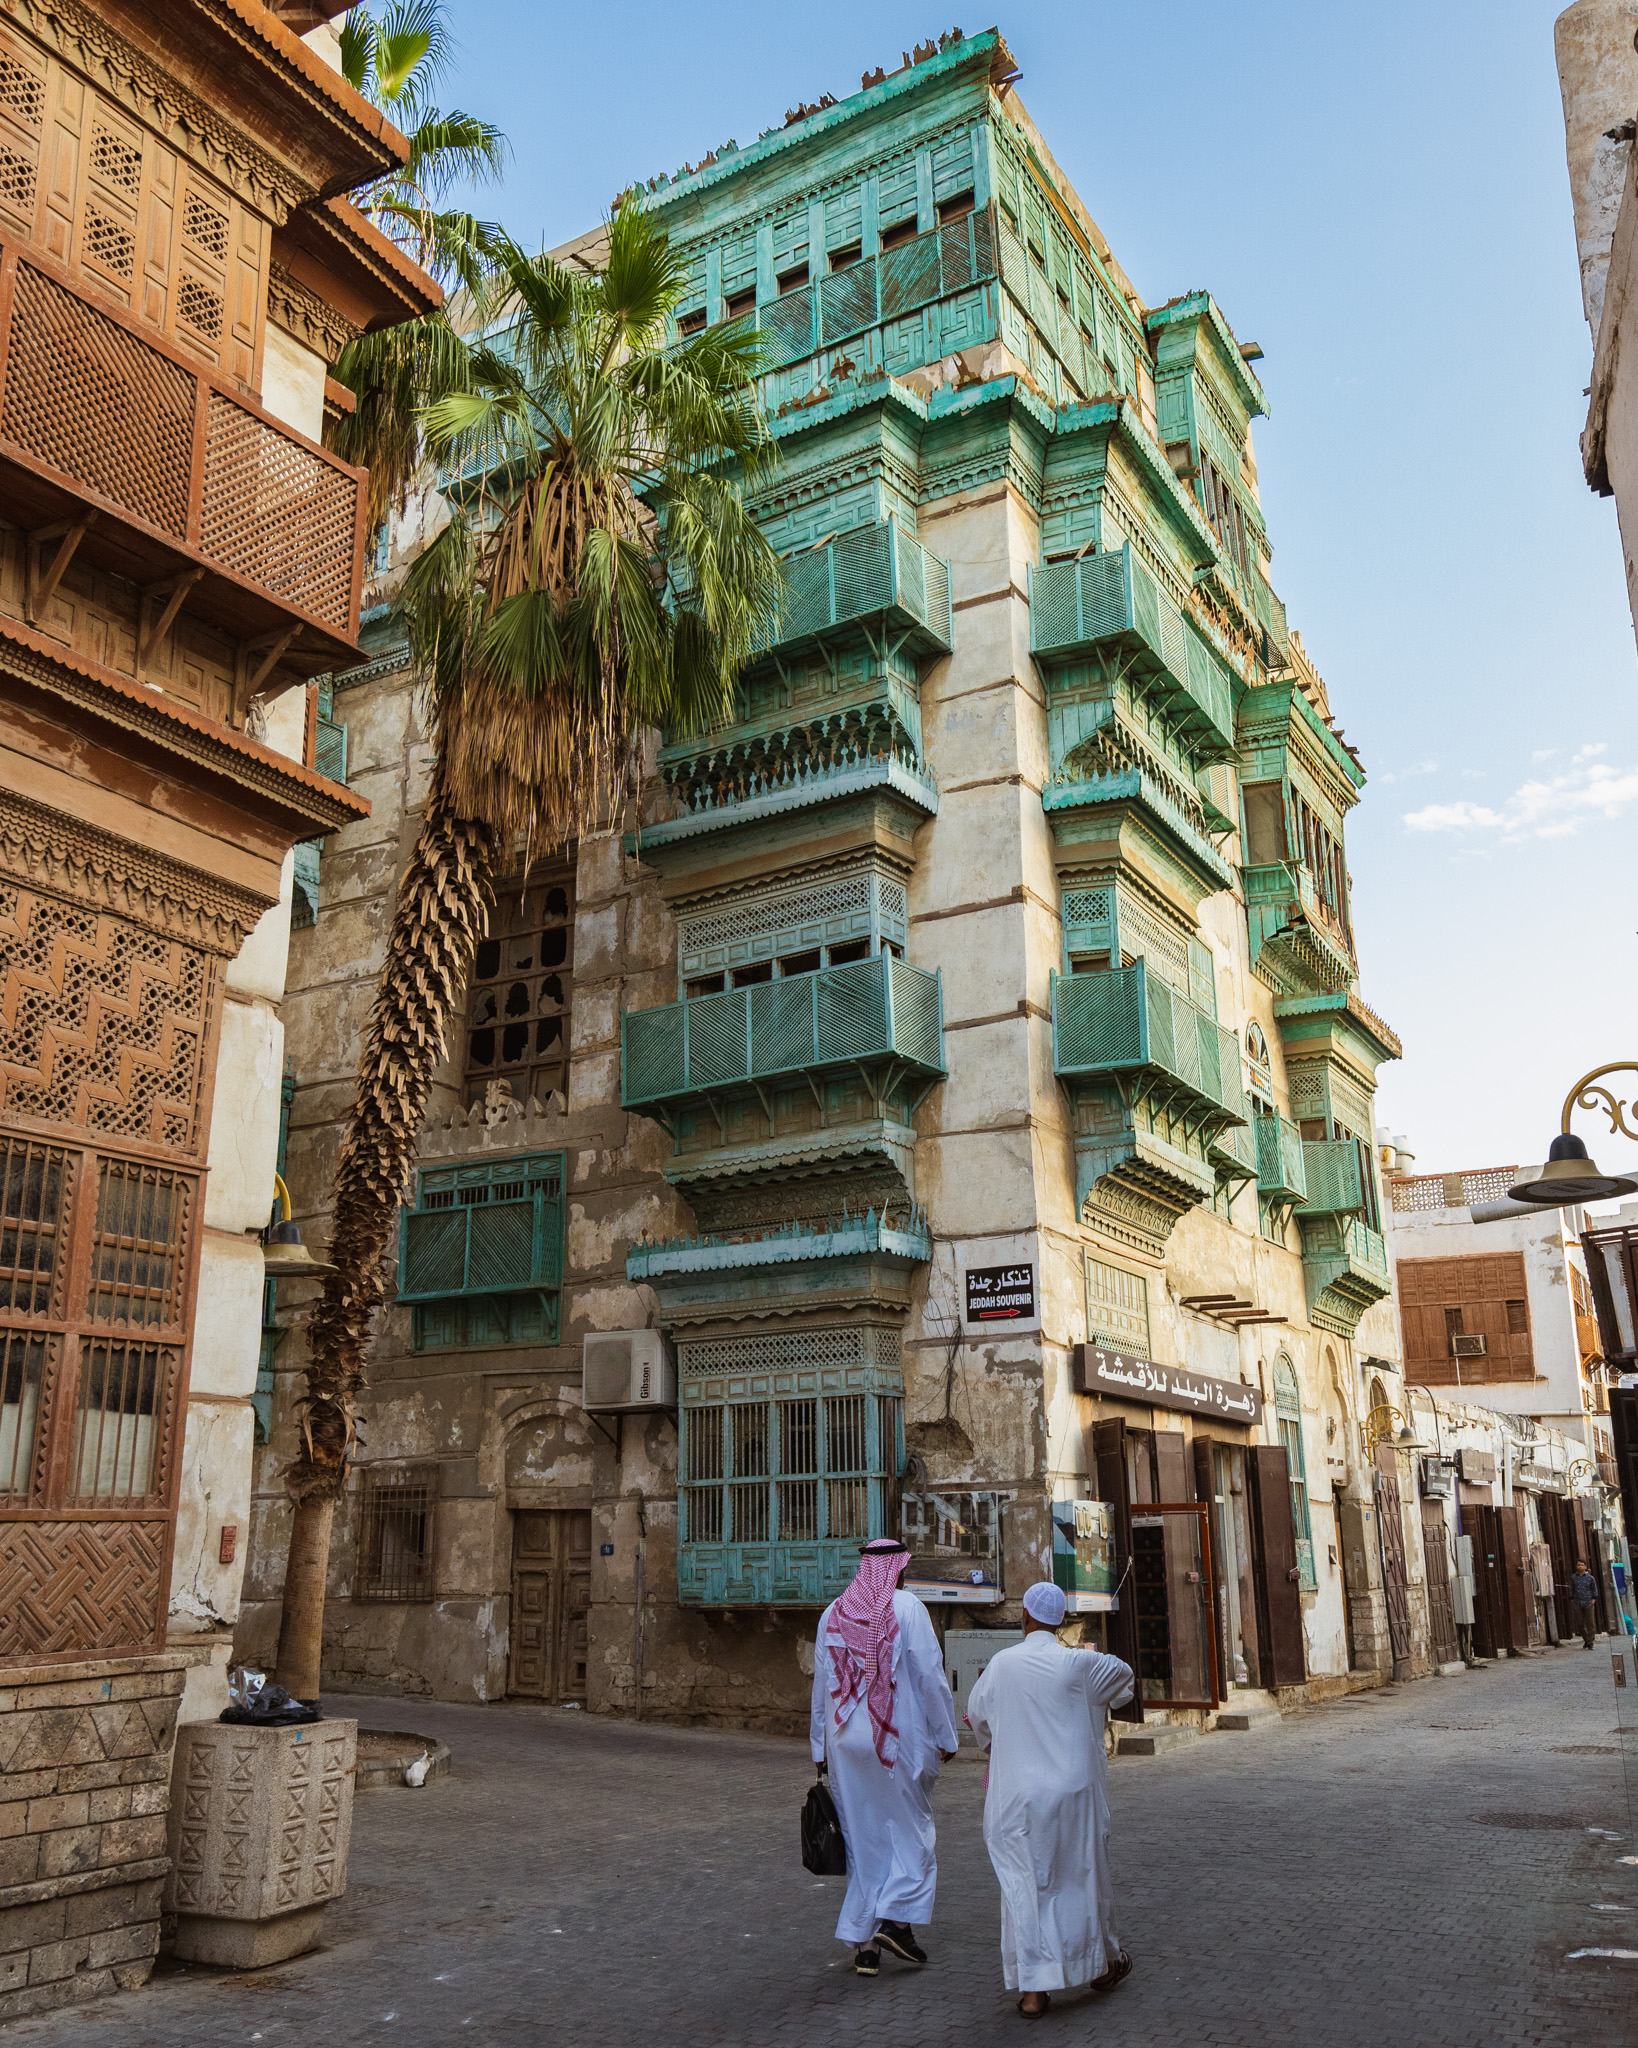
{"points": [[1555, 1526], [551, 1598], [1489, 1592], [1520, 1588], [1441, 1610], [1396, 1579], [1274, 1566], [1108, 1460]]}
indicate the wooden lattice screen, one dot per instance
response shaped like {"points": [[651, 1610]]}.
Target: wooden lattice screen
{"points": [[104, 1032]]}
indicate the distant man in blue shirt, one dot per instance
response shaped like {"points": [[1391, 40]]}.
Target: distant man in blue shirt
{"points": [[1584, 1592]]}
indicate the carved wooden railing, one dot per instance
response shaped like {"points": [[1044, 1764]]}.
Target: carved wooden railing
{"points": [[147, 439]]}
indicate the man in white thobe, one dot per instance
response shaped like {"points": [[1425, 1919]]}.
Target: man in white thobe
{"points": [[883, 1720], [1039, 1709]]}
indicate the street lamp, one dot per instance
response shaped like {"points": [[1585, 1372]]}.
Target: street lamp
{"points": [[1570, 1179]]}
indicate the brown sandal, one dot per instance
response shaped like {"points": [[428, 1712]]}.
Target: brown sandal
{"points": [[1117, 1973], [1035, 2012]]}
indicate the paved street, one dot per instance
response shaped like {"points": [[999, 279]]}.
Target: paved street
{"points": [[1406, 1867]]}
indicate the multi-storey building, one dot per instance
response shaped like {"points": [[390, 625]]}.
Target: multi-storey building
{"points": [[1500, 1310], [179, 555], [958, 1060]]}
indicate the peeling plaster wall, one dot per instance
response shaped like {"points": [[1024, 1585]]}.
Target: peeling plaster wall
{"points": [[219, 1425]]}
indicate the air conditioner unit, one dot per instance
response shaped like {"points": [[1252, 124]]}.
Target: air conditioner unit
{"points": [[624, 1370], [1467, 1347]]}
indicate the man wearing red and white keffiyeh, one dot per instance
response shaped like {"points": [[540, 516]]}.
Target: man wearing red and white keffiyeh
{"points": [[876, 1646]]}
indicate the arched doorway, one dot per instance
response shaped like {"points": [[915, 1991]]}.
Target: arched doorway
{"points": [[548, 1489]]}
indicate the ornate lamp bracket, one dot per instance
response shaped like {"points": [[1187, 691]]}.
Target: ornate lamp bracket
{"points": [[1585, 1096]]}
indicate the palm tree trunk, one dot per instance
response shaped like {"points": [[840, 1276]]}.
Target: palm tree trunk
{"points": [[444, 898]]}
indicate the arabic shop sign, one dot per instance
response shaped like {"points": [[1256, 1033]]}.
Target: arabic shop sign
{"points": [[1000, 1294], [1125, 1378]]}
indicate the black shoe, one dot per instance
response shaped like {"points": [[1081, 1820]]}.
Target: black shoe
{"points": [[895, 1936], [866, 1963]]}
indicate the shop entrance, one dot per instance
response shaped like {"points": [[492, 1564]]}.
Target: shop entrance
{"points": [[551, 1596]]}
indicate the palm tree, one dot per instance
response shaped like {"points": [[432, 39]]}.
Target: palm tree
{"points": [[397, 57], [603, 577]]}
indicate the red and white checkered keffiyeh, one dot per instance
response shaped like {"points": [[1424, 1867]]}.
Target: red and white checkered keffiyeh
{"points": [[862, 1663]]}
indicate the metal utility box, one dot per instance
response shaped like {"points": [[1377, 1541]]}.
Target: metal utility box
{"points": [[966, 1652]]}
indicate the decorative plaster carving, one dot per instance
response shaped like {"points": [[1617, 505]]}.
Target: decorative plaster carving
{"points": [[55, 852], [74, 31], [299, 310]]}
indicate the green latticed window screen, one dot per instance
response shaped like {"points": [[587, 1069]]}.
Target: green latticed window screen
{"points": [[481, 1253], [330, 740], [1117, 1308], [1288, 1414]]}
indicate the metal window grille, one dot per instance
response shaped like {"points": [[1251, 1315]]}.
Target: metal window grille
{"points": [[124, 1393], [22, 1371], [704, 1514], [136, 1259], [34, 1184], [751, 1444], [397, 1511], [799, 1436], [848, 1507], [705, 1437], [749, 1518], [845, 1433]]}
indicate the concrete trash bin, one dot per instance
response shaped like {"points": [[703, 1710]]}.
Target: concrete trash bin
{"points": [[260, 1823]]}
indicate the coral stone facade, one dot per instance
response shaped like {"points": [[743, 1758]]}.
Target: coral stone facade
{"points": [[957, 1059]]}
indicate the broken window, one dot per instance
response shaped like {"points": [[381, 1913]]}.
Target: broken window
{"points": [[519, 1007]]}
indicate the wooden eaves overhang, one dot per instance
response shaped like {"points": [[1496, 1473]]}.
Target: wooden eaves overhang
{"points": [[1200, 310], [83, 740], [340, 255]]}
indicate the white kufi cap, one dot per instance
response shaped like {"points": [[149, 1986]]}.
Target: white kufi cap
{"points": [[1045, 1603]]}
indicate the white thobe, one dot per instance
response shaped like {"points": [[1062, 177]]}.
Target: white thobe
{"points": [[886, 1815], [1040, 1708]]}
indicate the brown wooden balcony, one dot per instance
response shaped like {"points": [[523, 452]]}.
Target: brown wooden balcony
{"points": [[118, 451]]}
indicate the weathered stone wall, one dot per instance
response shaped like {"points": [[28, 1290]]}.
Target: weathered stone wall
{"points": [[85, 1766]]}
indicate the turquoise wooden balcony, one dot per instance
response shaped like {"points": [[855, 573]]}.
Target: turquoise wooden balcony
{"points": [[1112, 602], [1282, 1173], [1128, 1020], [1333, 1177], [1233, 1149], [1289, 919], [869, 1011], [1345, 1269], [875, 577]]}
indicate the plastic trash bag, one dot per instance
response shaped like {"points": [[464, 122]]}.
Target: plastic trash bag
{"points": [[258, 1704]]}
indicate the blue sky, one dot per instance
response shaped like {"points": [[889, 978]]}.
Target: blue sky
{"points": [[1378, 196]]}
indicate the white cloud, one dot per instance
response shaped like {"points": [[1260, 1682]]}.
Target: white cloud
{"points": [[1589, 752], [1406, 774], [1543, 754], [1552, 807]]}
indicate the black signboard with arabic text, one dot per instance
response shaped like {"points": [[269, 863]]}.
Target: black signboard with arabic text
{"points": [[1124, 1378], [1000, 1294]]}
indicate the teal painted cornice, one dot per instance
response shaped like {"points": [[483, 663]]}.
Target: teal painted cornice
{"points": [[1201, 308], [1120, 419], [1269, 709], [1102, 793], [1354, 1021], [799, 1243], [975, 60], [804, 790]]}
